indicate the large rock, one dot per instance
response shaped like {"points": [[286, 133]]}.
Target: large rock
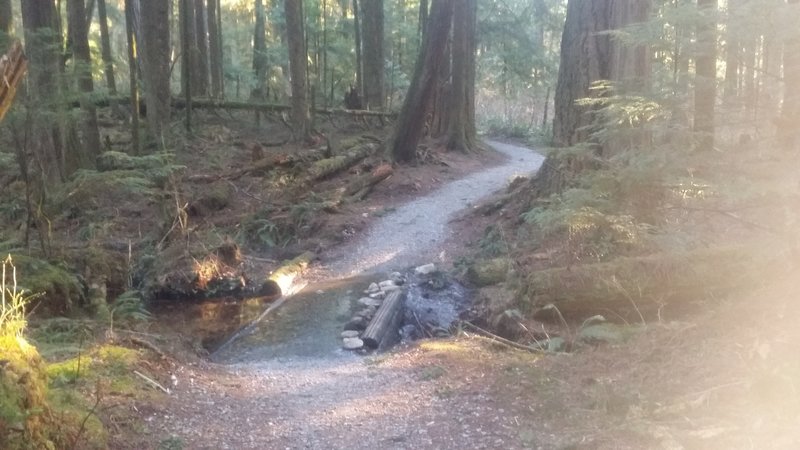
{"points": [[353, 343], [425, 269], [489, 272]]}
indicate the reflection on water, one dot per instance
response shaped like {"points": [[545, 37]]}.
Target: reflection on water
{"points": [[308, 324], [212, 320]]}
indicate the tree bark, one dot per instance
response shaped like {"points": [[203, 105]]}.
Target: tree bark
{"points": [[417, 103], [260, 52], [6, 20], [187, 62], [589, 55], [79, 35], [705, 91], [43, 43], [215, 49], [133, 62], [790, 112], [359, 56], [201, 63], [582, 45], [732, 53], [105, 44], [461, 134], [155, 60], [298, 67], [373, 53]]}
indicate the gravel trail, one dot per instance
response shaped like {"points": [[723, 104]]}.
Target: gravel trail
{"points": [[427, 396], [410, 234]]}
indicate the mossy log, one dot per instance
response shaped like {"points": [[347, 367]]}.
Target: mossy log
{"points": [[363, 184], [629, 286], [489, 272], [267, 164], [329, 166], [273, 107], [108, 161], [383, 330], [285, 275]]}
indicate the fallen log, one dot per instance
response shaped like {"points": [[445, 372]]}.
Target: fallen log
{"points": [[362, 185], [384, 329], [244, 106], [329, 166], [634, 288], [12, 68], [264, 165], [285, 275]]}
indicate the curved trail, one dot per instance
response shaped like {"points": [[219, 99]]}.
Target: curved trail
{"points": [[412, 232], [414, 398]]}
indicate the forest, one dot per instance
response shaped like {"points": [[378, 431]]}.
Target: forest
{"points": [[406, 223]]}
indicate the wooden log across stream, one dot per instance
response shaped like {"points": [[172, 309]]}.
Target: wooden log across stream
{"points": [[383, 330]]}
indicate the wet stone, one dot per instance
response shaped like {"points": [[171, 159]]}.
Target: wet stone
{"points": [[383, 285], [357, 324], [425, 269], [398, 278], [350, 334], [368, 301], [353, 343]]}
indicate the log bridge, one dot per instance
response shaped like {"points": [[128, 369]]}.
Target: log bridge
{"points": [[384, 329]]}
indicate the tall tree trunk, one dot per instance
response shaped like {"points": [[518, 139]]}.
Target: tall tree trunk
{"points": [[79, 35], [359, 56], [155, 60], [43, 44], [732, 53], [372, 41], [583, 61], [790, 112], [423, 19], [260, 52], [589, 55], [705, 91], [6, 20], [215, 48], [201, 63], [461, 133], [410, 123], [188, 44], [105, 44], [187, 62], [298, 67], [133, 63]]}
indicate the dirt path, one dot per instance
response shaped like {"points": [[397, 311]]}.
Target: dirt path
{"points": [[436, 394], [413, 233]]}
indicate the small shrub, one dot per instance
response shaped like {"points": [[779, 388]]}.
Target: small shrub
{"points": [[12, 311]]}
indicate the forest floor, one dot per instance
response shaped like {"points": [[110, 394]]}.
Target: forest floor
{"points": [[723, 377]]}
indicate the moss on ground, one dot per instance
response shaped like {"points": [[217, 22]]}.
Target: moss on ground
{"points": [[57, 290], [26, 419]]}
